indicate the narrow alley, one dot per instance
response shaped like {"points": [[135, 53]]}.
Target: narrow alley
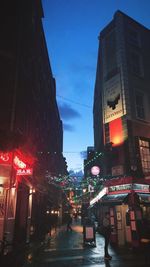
{"points": [[66, 249]]}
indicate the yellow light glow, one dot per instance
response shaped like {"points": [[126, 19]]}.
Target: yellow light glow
{"points": [[13, 189], [1, 190], [117, 140]]}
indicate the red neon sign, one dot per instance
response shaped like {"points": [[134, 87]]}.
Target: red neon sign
{"points": [[19, 163], [5, 158], [27, 171]]}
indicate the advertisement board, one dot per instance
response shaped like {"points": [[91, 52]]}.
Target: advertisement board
{"points": [[112, 99]]}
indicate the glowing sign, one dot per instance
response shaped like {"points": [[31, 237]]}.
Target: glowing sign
{"points": [[19, 163], [95, 170], [116, 132], [5, 158], [28, 171], [112, 95], [103, 192]]}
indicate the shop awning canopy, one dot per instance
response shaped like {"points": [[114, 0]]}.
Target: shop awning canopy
{"points": [[115, 199], [144, 198]]}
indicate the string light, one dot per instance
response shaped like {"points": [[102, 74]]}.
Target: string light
{"points": [[66, 181]]}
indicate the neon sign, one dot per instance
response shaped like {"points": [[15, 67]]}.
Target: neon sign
{"points": [[19, 163], [5, 158], [28, 171]]}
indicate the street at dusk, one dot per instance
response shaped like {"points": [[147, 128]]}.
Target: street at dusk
{"points": [[75, 133], [67, 249]]}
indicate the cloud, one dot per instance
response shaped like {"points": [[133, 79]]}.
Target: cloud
{"points": [[67, 112], [83, 154], [68, 127]]}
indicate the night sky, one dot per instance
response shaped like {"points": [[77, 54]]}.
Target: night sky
{"points": [[72, 28]]}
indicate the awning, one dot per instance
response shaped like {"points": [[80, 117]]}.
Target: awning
{"points": [[115, 199], [144, 198]]}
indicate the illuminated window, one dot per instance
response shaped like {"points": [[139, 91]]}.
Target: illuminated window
{"points": [[145, 155], [116, 132]]}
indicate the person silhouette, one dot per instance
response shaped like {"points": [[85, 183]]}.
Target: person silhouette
{"points": [[69, 222], [106, 234]]}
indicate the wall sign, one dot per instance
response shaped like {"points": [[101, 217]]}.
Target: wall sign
{"points": [[112, 99], [27, 171], [6, 158]]}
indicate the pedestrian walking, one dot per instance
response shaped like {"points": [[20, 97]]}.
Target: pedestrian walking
{"points": [[106, 234], [69, 222]]}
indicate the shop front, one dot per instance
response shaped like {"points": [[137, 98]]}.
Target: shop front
{"points": [[128, 205], [15, 169]]}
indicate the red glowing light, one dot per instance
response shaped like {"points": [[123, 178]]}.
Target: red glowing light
{"points": [[5, 158], [116, 132], [19, 163]]}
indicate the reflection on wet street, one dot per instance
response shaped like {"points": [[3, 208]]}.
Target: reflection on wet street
{"points": [[66, 249]]}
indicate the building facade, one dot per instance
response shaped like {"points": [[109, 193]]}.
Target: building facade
{"points": [[30, 125], [122, 128], [122, 97]]}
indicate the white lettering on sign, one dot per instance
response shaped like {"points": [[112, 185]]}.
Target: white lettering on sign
{"points": [[28, 171]]}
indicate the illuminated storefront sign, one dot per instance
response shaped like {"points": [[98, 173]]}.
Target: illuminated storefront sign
{"points": [[19, 163], [141, 188], [120, 187], [27, 171], [126, 187], [5, 158]]}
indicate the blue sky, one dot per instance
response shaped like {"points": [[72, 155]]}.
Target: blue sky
{"points": [[71, 29]]}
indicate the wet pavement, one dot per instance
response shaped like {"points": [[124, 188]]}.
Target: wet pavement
{"points": [[66, 249]]}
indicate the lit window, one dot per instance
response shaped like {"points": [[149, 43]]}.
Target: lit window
{"points": [[145, 155]]}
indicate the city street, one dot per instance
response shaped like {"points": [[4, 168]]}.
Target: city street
{"points": [[66, 249]]}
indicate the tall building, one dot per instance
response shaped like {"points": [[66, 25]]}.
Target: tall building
{"points": [[122, 98], [29, 118]]}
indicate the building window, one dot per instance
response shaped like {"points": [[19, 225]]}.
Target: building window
{"points": [[133, 37], [139, 98], [145, 155], [110, 53], [136, 63]]}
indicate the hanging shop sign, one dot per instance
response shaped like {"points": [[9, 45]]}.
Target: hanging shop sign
{"points": [[26, 171]]}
